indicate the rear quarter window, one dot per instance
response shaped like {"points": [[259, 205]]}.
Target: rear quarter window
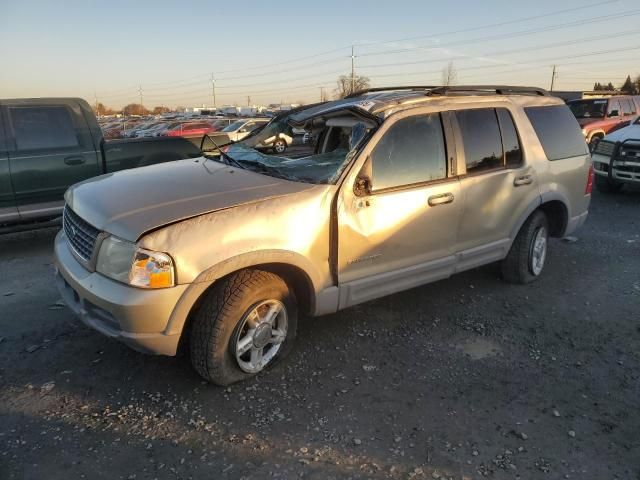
{"points": [[558, 131], [43, 127]]}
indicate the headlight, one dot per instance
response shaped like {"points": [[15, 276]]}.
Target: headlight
{"points": [[124, 262], [584, 133]]}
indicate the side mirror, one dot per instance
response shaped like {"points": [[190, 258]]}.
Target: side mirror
{"points": [[614, 113], [362, 187]]}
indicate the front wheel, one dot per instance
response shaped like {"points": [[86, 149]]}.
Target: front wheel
{"points": [[528, 253], [245, 324], [279, 146]]}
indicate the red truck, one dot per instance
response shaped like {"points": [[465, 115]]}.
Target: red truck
{"points": [[600, 116]]}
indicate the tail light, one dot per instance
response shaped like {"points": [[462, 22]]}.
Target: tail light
{"points": [[589, 187]]}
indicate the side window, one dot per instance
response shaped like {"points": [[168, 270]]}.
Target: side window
{"points": [[43, 127], [481, 139], [510, 140], [613, 110], [411, 151], [558, 131], [627, 108]]}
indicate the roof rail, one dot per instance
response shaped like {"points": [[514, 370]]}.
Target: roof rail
{"points": [[444, 90], [498, 89], [416, 88]]}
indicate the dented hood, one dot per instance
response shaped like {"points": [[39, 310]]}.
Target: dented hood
{"points": [[131, 202]]}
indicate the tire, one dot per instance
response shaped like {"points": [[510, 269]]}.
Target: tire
{"points": [[279, 146], [224, 319], [606, 186], [522, 265]]}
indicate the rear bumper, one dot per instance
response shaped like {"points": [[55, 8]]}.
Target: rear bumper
{"points": [[134, 316]]}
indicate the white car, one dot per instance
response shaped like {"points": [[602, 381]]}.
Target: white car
{"points": [[241, 128]]}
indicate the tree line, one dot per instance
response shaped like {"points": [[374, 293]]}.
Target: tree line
{"points": [[630, 87]]}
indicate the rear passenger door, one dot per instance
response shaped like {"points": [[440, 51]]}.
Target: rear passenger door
{"points": [[8, 210], [51, 148], [498, 187]]}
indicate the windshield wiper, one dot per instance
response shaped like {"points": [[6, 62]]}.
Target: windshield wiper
{"points": [[228, 160]]}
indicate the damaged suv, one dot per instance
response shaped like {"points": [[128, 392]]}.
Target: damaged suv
{"points": [[404, 186]]}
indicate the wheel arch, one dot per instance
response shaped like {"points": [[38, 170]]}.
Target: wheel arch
{"points": [[596, 133], [554, 206], [290, 267]]}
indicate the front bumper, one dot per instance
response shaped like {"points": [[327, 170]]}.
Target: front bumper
{"points": [[134, 316], [623, 171]]}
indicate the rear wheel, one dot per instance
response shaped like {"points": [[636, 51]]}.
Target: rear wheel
{"points": [[246, 324], [528, 253], [605, 185]]}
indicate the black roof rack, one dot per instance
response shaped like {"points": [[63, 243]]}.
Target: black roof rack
{"points": [[444, 90], [416, 88], [498, 89]]}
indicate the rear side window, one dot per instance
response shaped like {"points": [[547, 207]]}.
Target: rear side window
{"points": [[481, 139], [558, 131], [510, 140], [411, 151], [627, 106], [43, 127]]}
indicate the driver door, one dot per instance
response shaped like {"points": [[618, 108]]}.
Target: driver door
{"points": [[400, 231]]}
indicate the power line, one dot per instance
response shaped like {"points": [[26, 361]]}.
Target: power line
{"points": [[492, 25], [507, 35], [320, 54], [506, 52]]}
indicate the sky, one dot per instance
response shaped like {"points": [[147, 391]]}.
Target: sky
{"points": [[262, 52]]}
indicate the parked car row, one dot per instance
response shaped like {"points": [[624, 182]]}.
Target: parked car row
{"points": [[163, 127]]}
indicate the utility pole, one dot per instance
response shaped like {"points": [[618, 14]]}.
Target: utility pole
{"points": [[213, 91], [353, 70], [553, 78], [140, 92], [95, 97], [248, 101], [322, 94]]}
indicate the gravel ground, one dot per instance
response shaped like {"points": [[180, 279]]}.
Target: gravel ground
{"points": [[463, 379]]}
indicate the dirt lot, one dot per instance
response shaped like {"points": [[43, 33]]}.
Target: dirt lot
{"points": [[465, 378]]}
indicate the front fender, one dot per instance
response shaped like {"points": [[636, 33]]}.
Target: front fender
{"points": [[246, 260]]}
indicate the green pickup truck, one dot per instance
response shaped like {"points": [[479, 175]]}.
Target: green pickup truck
{"points": [[48, 144]]}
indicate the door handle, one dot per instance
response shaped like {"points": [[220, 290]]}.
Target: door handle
{"points": [[75, 160], [441, 199], [523, 180]]}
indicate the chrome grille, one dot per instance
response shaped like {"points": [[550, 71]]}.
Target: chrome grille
{"points": [[80, 235]]}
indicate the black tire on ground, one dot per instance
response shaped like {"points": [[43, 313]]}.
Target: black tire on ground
{"points": [[516, 267], [604, 185], [216, 324], [280, 142]]}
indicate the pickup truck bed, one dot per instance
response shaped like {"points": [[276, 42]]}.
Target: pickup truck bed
{"points": [[49, 144]]}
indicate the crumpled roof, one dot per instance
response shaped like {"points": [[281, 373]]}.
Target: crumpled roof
{"points": [[369, 103]]}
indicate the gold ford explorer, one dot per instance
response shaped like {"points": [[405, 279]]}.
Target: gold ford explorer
{"points": [[395, 188]]}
